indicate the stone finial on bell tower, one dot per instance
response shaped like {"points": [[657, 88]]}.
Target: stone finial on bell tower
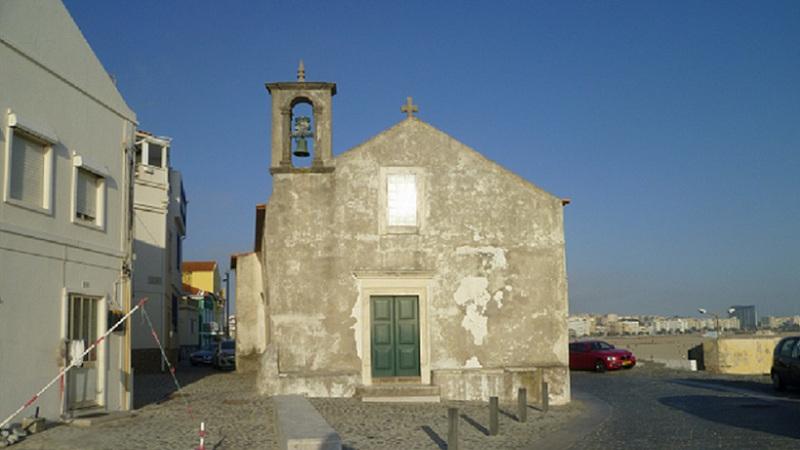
{"points": [[285, 96]]}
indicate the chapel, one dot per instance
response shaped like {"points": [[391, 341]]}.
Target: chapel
{"points": [[409, 267]]}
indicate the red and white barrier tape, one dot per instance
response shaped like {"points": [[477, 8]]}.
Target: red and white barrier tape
{"points": [[202, 436], [166, 360], [74, 362]]}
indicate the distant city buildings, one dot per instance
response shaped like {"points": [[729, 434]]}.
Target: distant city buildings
{"points": [[615, 325], [746, 315]]}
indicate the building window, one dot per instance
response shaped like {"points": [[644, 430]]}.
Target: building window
{"points": [[401, 197], [401, 200], [87, 194], [29, 162], [82, 322], [154, 157]]}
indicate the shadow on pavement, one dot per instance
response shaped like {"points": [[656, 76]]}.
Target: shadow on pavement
{"points": [[774, 417], [149, 388], [475, 424], [725, 384], [435, 437]]}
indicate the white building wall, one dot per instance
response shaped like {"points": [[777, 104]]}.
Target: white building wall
{"points": [[50, 77], [159, 226]]}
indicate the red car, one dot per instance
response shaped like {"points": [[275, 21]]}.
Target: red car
{"points": [[599, 356]]}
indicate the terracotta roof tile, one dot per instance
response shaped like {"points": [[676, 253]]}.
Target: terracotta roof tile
{"points": [[198, 266]]}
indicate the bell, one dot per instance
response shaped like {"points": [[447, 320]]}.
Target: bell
{"points": [[301, 150]]}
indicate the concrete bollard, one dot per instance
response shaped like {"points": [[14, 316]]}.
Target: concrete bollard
{"points": [[522, 405], [452, 430], [494, 409], [545, 397]]}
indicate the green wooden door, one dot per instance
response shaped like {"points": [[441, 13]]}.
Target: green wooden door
{"points": [[395, 336]]}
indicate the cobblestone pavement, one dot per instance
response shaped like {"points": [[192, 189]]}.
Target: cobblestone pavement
{"points": [[647, 407], [424, 426], [652, 407], [235, 418]]}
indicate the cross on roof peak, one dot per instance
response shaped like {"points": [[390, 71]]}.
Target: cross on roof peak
{"points": [[409, 108]]}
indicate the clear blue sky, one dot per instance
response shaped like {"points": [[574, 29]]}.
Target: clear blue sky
{"points": [[673, 126]]}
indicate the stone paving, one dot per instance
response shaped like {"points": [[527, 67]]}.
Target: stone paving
{"points": [[647, 407], [653, 407], [237, 418], [234, 417]]}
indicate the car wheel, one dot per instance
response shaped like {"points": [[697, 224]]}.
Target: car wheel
{"points": [[599, 366], [777, 382]]}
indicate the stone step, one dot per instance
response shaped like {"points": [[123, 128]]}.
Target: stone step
{"points": [[399, 393]]}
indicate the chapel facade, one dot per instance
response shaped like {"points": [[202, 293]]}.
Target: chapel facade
{"points": [[409, 262]]}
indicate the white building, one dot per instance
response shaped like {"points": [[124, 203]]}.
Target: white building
{"points": [[66, 154], [579, 325], [159, 224]]}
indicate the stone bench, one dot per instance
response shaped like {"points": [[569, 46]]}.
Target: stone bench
{"points": [[300, 426]]}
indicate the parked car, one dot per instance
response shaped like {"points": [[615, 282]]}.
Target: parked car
{"points": [[225, 356], [786, 363], [599, 356], [203, 356]]}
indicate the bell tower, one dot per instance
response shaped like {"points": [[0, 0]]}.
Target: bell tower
{"points": [[287, 128]]}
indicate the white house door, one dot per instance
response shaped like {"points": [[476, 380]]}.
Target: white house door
{"points": [[82, 324]]}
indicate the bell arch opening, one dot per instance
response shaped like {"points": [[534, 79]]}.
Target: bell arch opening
{"points": [[302, 134]]}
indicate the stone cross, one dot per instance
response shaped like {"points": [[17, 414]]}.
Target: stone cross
{"points": [[409, 108]]}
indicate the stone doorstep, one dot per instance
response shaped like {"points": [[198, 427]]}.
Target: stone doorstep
{"points": [[399, 393], [300, 426], [87, 420]]}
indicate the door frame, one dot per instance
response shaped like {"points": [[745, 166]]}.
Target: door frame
{"points": [[415, 283], [102, 326]]}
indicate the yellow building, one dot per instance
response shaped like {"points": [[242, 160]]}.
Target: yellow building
{"points": [[202, 275], [201, 280]]}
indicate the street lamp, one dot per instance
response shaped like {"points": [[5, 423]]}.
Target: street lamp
{"points": [[716, 318], [227, 304]]}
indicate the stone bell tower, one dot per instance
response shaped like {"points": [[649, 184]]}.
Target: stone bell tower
{"points": [[285, 128]]}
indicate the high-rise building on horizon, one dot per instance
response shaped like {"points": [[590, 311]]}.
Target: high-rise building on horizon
{"points": [[746, 315]]}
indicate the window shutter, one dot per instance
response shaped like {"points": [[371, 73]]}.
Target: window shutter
{"points": [[86, 201], [27, 170]]}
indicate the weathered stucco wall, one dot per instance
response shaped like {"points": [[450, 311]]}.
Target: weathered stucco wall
{"points": [[740, 356], [493, 243], [251, 330]]}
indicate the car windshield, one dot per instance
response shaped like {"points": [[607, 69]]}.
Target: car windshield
{"points": [[602, 346]]}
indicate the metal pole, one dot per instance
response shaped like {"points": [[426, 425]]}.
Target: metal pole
{"points": [[452, 431], [227, 304], [522, 405], [545, 397], [494, 424]]}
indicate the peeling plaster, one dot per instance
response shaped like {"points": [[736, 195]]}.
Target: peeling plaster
{"points": [[497, 254], [472, 292], [472, 363], [498, 298], [356, 314]]}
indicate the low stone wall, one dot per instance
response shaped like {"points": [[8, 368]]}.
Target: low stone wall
{"points": [[740, 356], [322, 384], [480, 384]]}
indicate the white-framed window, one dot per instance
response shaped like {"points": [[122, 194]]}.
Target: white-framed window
{"points": [[401, 200], [152, 152], [82, 321], [28, 166], [89, 194]]}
